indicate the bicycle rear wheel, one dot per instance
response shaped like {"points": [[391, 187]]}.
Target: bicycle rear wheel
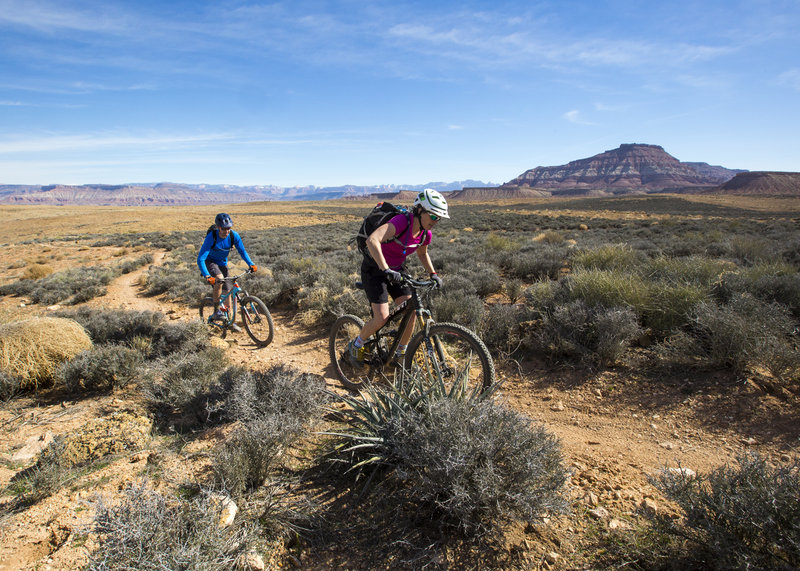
{"points": [[257, 320], [346, 328], [207, 307], [455, 356]]}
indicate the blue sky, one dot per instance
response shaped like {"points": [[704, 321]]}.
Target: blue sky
{"points": [[388, 92]]}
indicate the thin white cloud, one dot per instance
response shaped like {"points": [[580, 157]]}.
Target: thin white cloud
{"points": [[99, 141], [574, 116], [54, 17]]}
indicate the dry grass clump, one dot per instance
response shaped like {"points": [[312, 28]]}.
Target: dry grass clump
{"points": [[37, 271], [33, 349]]}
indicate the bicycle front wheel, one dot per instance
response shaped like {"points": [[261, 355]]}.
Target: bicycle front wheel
{"points": [[256, 320], [207, 308], [452, 355]]}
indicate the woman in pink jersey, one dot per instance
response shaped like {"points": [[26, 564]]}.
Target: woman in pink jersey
{"points": [[389, 246]]}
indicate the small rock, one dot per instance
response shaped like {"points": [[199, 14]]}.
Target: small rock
{"points": [[685, 472], [551, 557], [228, 509], [591, 499], [559, 406], [749, 441], [618, 524], [667, 445], [253, 561], [599, 513], [649, 505]]}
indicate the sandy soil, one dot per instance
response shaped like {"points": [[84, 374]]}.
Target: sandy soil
{"points": [[614, 436]]}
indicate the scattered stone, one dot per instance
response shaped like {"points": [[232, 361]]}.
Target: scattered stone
{"points": [[649, 505], [599, 513], [228, 508], [618, 524], [591, 499], [667, 445], [559, 406], [552, 557], [749, 441], [684, 472], [253, 561], [33, 446]]}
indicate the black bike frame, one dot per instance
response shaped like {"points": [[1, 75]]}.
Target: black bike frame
{"points": [[410, 309]]}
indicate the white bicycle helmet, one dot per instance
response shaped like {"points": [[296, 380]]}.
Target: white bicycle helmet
{"points": [[432, 201]]}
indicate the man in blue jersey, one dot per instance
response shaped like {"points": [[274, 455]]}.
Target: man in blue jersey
{"points": [[213, 257]]}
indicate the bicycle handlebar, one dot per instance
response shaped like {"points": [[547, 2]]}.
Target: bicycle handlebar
{"points": [[232, 278], [418, 283]]}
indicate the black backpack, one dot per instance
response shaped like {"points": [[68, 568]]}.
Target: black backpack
{"points": [[381, 214], [213, 228]]}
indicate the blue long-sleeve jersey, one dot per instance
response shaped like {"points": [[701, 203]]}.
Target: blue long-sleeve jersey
{"points": [[218, 253]]}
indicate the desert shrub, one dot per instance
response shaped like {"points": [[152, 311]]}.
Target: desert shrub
{"points": [[248, 456], [131, 327], [484, 277], [182, 379], [496, 243], [51, 471], [591, 334], [10, 385], [279, 390], [607, 288], [541, 296], [499, 330], [742, 334], [696, 270], [33, 349], [743, 517], [466, 309], [770, 282], [611, 257], [176, 281], [328, 298], [671, 306], [150, 532], [72, 286], [101, 368], [458, 458], [536, 263], [750, 249], [128, 266]]}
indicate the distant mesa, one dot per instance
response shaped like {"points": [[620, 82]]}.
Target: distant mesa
{"points": [[762, 182]]}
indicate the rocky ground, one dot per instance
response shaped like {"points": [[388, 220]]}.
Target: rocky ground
{"points": [[616, 428]]}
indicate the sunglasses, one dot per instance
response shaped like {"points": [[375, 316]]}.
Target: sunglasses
{"points": [[434, 217]]}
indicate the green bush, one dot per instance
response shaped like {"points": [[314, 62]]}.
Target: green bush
{"points": [[151, 532], [103, 367], [671, 306], [742, 334], [744, 517], [591, 334], [607, 288], [609, 257]]}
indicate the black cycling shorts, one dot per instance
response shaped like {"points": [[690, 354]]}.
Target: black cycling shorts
{"points": [[377, 287]]}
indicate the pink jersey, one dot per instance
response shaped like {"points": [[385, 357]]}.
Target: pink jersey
{"points": [[395, 254]]}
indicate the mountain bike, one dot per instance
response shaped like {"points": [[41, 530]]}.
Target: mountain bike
{"points": [[445, 351], [255, 316]]}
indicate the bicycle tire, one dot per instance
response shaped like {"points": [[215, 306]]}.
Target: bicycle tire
{"points": [[463, 352], [346, 328], [207, 307], [257, 320]]}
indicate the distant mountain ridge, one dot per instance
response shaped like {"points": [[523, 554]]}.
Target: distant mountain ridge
{"points": [[167, 194]]}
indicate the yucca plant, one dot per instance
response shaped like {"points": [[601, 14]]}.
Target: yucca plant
{"points": [[450, 451]]}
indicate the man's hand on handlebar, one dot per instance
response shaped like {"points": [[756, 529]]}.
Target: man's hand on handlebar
{"points": [[253, 268], [211, 279]]}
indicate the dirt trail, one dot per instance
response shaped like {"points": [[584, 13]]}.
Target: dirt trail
{"points": [[612, 441]]}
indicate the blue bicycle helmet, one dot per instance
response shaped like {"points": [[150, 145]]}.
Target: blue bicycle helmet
{"points": [[223, 220]]}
